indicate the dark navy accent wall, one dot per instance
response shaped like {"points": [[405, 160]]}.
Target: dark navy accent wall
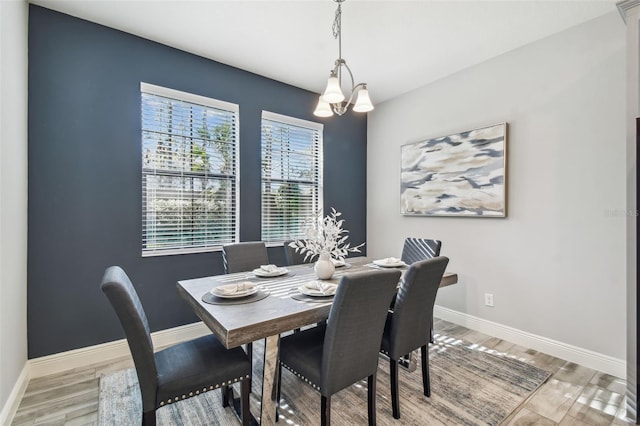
{"points": [[85, 177]]}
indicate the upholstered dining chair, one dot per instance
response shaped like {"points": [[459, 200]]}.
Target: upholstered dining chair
{"points": [[337, 355], [245, 256], [408, 327], [178, 372], [293, 257], [416, 249], [242, 257]]}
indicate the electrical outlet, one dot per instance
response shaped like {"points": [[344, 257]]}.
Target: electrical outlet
{"points": [[488, 299]]}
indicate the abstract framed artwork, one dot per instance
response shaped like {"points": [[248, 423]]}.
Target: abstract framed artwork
{"points": [[463, 174]]}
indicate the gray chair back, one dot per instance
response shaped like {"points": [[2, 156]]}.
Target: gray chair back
{"points": [[124, 299], [293, 257], [354, 328], [416, 249], [246, 256], [413, 311]]}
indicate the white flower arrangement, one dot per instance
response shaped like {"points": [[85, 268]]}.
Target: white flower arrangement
{"points": [[325, 235]]}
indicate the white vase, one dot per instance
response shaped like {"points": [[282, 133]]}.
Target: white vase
{"points": [[324, 267]]}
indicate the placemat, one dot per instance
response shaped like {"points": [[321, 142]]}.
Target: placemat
{"points": [[295, 294], [288, 274], [209, 298], [399, 268], [345, 266]]}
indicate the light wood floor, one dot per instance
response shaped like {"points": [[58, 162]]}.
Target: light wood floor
{"points": [[574, 395]]}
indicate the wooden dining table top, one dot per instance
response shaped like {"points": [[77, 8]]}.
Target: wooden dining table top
{"points": [[237, 324]]}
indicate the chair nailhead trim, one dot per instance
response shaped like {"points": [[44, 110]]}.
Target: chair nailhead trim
{"points": [[211, 387], [301, 377]]}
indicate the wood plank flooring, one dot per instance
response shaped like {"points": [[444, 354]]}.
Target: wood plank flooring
{"points": [[574, 395]]}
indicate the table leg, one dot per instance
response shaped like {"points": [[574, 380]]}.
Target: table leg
{"points": [[269, 383]]}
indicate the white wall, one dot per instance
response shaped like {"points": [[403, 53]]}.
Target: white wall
{"points": [[13, 197], [556, 264], [631, 12]]}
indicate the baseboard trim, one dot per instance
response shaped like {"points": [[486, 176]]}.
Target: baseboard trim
{"points": [[13, 402], [597, 361], [63, 361]]}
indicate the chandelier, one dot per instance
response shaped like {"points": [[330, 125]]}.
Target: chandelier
{"points": [[333, 98]]}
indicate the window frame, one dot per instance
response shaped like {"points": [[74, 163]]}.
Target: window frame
{"points": [[295, 122], [151, 89]]}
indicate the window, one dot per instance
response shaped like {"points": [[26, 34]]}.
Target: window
{"points": [[189, 172], [291, 175]]}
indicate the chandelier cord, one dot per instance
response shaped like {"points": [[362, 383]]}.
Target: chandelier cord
{"points": [[337, 28]]}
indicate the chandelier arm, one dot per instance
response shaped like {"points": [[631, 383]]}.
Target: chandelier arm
{"points": [[343, 62], [341, 107]]}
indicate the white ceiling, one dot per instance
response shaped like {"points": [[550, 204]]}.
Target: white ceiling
{"points": [[395, 46]]}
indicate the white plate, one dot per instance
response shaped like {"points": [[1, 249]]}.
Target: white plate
{"points": [[229, 291], [262, 273], [386, 264], [338, 263], [310, 289]]}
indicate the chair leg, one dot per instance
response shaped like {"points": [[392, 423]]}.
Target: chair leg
{"points": [[227, 395], [395, 399], [325, 410], [426, 380], [249, 350], [245, 389], [279, 378], [371, 399], [149, 418]]}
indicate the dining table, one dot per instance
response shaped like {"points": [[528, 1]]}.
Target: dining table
{"points": [[276, 307]]}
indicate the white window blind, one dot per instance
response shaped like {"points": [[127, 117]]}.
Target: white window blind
{"points": [[189, 172], [291, 175]]}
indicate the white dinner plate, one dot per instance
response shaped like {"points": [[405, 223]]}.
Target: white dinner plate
{"points": [[234, 291], [262, 273], [312, 288], [338, 263], [385, 263]]}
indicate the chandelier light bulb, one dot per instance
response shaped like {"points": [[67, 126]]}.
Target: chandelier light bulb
{"points": [[363, 102], [323, 109], [333, 93]]}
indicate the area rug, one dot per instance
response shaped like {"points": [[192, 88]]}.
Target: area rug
{"points": [[469, 386]]}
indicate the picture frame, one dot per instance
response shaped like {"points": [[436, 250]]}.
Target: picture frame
{"points": [[462, 175]]}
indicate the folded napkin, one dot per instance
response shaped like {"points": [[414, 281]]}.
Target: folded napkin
{"points": [[391, 260], [326, 289], [269, 268], [230, 289], [316, 285]]}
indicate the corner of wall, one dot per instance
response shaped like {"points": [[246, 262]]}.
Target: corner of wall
{"points": [[12, 403], [13, 202]]}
